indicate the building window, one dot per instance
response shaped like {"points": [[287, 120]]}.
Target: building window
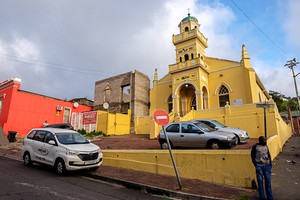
{"points": [[126, 89], [223, 96], [180, 59], [125, 108], [186, 57], [170, 103], [107, 91], [125, 96], [259, 98], [186, 29], [67, 114], [192, 55], [193, 104]]}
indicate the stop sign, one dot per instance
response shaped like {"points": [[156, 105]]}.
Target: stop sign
{"points": [[161, 117]]}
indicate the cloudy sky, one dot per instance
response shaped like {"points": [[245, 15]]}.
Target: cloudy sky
{"points": [[59, 48]]}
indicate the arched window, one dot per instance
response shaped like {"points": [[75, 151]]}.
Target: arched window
{"points": [[193, 104], [186, 29], [180, 59], [192, 55], [170, 103], [223, 96], [186, 57]]}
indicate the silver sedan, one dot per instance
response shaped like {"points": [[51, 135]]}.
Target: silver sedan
{"points": [[195, 135]]}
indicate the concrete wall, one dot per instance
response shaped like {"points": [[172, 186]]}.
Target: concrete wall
{"points": [[247, 117], [230, 167]]}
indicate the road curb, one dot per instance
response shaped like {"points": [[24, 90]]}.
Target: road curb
{"points": [[151, 189]]}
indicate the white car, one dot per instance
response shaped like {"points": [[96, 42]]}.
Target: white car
{"points": [[241, 134], [66, 150]]}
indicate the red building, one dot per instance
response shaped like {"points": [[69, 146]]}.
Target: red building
{"points": [[22, 110]]}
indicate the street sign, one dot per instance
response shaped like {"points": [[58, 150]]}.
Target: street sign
{"points": [[265, 105], [161, 117]]}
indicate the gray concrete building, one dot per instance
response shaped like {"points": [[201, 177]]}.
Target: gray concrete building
{"points": [[122, 92]]}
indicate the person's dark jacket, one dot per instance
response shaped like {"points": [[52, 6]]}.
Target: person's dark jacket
{"points": [[254, 151]]}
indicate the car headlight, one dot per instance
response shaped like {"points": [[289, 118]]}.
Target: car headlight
{"points": [[229, 138], [71, 152], [242, 134]]}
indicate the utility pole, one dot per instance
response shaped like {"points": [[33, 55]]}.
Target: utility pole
{"points": [[291, 64]]}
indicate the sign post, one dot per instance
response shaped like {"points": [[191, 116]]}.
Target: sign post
{"points": [[162, 118], [265, 106]]}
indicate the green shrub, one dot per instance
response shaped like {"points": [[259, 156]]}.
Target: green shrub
{"points": [[92, 134], [82, 131]]}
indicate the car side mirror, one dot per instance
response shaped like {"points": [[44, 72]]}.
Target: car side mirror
{"points": [[52, 142]]}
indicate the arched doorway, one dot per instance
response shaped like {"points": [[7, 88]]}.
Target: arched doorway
{"points": [[187, 98], [205, 98]]}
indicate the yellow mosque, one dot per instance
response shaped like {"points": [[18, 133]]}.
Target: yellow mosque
{"points": [[197, 86], [198, 82]]}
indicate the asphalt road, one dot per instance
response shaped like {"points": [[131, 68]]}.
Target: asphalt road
{"points": [[40, 182]]}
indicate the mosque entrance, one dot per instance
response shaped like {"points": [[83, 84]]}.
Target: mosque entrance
{"points": [[187, 99]]}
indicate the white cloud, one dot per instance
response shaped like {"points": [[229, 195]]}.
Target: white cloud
{"points": [[291, 22], [275, 77], [105, 38]]}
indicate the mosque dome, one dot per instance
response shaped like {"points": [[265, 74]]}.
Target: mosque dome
{"points": [[189, 17]]}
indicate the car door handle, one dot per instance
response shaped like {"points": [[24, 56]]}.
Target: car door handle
{"points": [[181, 135]]}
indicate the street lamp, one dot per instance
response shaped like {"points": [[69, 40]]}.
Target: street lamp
{"points": [[291, 64]]}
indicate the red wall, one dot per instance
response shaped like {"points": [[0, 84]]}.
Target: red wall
{"points": [[23, 111]]}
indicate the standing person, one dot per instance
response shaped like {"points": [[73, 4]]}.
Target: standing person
{"points": [[261, 159], [45, 123]]}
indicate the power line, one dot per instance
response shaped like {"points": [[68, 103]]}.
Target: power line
{"points": [[45, 64], [260, 29]]}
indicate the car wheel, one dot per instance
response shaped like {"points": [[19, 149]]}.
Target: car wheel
{"points": [[215, 144], [164, 145], [60, 167], [27, 159], [239, 140]]}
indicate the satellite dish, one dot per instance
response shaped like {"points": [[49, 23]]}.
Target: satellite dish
{"points": [[105, 105], [75, 104]]}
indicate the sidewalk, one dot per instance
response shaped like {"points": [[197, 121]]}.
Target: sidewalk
{"points": [[286, 171], [285, 178]]}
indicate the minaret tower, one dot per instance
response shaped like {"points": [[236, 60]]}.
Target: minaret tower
{"points": [[190, 43]]}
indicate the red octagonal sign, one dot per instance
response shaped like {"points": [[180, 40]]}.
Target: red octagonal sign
{"points": [[161, 117]]}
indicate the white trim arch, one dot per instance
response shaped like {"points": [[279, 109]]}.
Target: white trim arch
{"points": [[183, 83], [218, 87]]}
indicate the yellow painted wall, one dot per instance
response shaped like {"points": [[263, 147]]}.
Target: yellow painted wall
{"points": [[113, 124], [230, 167], [247, 117], [143, 125], [160, 93]]}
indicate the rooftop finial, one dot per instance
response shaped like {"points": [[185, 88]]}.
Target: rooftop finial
{"points": [[189, 12]]}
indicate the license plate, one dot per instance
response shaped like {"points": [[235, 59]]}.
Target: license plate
{"points": [[90, 162]]}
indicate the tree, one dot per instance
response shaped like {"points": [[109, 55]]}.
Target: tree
{"points": [[278, 99], [283, 102]]}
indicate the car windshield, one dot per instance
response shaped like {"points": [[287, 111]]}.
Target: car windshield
{"points": [[203, 127], [71, 138], [219, 124]]}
